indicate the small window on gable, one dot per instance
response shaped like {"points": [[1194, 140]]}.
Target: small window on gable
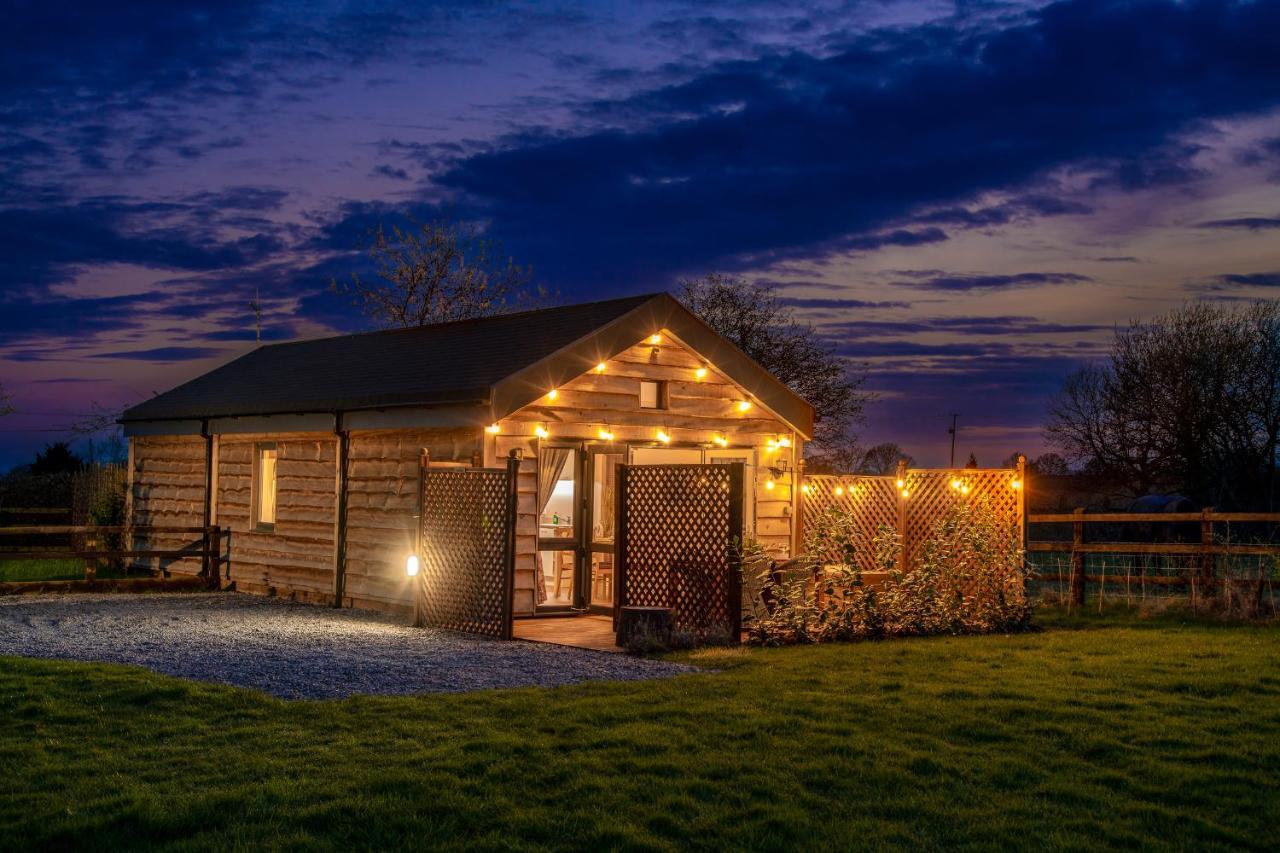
{"points": [[653, 394], [264, 509]]}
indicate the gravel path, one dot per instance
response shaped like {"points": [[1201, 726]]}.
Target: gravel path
{"points": [[294, 651]]}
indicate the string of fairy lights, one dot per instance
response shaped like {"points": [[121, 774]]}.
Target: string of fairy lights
{"points": [[663, 435]]}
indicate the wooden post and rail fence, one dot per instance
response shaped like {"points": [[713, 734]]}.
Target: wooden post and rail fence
{"points": [[1203, 549], [205, 544]]}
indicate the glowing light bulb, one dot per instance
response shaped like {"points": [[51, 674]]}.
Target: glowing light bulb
{"points": [[804, 488], [744, 405], [1016, 484], [493, 429], [783, 441], [720, 440], [600, 367], [541, 431], [605, 434], [655, 339], [901, 483], [700, 373], [839, 491], [769, 485], [964, 490], [955, 484], [663, 436], [905, 494], [552, 394], [411, 565]]}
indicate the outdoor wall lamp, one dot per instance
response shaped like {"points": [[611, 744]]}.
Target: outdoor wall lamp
{"points": [[411, 565]]}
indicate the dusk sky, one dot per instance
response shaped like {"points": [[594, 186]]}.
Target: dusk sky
{"points": [[967, 197]]}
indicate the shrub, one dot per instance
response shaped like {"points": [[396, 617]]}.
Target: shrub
{"points": [[968, 577]]}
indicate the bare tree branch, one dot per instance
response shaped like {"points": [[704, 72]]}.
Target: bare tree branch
{"points": [[1187, 402], [758, 323], [436, 272]]}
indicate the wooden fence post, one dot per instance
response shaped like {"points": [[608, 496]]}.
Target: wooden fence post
{"points": [[509, 557], [342, 464], [419, 591], [1206, 553], [1077, 557], [902, 514], [620, 549], [1022, 503], [737, 474]]}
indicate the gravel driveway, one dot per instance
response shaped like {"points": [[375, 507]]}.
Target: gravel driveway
{"points": [[294, 651]]}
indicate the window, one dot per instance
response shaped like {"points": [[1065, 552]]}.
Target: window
{"points": [[264, 511], [653, 395]]}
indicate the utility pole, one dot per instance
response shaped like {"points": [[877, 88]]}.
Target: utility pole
{"points": [[954, 417]]}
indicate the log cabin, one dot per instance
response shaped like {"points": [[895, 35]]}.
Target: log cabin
{"points": [[307, 452]]}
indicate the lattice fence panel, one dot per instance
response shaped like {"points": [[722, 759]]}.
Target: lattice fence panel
{"points": [[877, 501], [680, 525], [465, 547], [932, 492], [872, 501]]}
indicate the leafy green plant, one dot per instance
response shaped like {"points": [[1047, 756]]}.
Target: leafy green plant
{"points": [[968, 576]]}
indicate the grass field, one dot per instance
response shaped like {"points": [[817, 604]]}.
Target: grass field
{"points": [[42, 570], [1097, 732]]}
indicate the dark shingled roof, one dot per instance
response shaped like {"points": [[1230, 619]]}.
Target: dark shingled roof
{"points": [[445, 363]]}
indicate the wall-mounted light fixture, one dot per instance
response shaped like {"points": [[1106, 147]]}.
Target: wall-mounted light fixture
{"points": [[411, 565], [541, 431], [493, 429], [663, 436]]}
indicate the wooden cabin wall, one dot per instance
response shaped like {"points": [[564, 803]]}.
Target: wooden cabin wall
{"points": [[167, 490], [698, 410], [382, 500], [295, 559]]}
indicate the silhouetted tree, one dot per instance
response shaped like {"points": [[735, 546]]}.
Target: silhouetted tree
{"points": [[6, 402], [754, 318], [56, 458], [1049, 465], [882, 459], [435, 272], [1187, 402]]}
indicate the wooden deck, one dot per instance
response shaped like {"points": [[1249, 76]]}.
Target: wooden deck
{"points": [[584, 632]]}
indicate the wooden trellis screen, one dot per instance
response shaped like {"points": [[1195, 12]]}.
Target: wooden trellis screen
{"points": [[679, 532], [466, 549], [913, 508]]}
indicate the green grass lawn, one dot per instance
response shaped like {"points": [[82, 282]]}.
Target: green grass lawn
{"points": [[1097, 732], [41, 570]]}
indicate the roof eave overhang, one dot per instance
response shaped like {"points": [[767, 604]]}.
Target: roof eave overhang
{"points": [[662, 312], [473, 413]]}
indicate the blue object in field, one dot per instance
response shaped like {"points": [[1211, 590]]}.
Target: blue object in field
{"points": [[1162, 503]]}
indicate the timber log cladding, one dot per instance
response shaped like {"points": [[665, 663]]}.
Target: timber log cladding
{"points": [[294, 557], [700, 410]]}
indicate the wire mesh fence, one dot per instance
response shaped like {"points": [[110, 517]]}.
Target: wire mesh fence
{"points": [[1219, 572]]}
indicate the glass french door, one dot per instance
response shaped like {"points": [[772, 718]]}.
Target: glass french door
{"points": [[602, 494], [559, 528], [576, 525]]}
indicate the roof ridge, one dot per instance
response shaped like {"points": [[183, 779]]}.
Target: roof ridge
{"points": [[638, 298]]}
